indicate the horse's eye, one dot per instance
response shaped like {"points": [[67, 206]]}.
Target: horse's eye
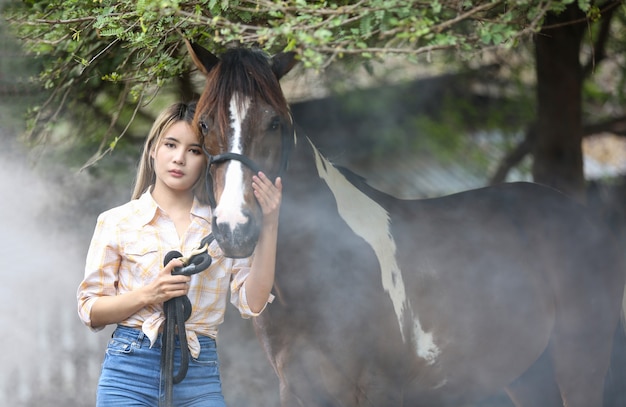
{"points": [[204, 128], [275, 123]]}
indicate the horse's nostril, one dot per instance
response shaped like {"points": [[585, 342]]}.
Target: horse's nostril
{"points": [[238, 240], [224, 231]]}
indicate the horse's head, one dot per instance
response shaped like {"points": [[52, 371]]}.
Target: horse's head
{"points": [[245, 123]]}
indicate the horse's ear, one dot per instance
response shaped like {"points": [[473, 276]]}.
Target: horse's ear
{"points": [[283, 62], [202, 58]]}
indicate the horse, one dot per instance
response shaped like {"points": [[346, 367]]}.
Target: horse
{"points": [[388, 302]]}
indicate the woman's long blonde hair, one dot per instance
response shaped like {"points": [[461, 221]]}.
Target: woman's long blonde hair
{"points": [[166, 119]]}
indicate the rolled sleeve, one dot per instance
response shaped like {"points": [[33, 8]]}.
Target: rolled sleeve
{"points": [[101, 270], [238, 291]]}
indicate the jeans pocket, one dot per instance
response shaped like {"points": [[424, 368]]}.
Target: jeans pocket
{"points": [[207, 357], [119, 346]]}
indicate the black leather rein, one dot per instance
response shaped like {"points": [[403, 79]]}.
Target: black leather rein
{"points": [[178, 310]]}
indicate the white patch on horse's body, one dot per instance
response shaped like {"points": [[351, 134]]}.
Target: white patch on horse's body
{"points": [[426, 347], [231, 202], [354, 206]]}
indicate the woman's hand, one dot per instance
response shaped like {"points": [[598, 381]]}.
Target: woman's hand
{"points": [[166, 286], [269, 196]]}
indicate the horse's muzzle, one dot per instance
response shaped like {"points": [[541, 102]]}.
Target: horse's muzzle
{"points": [[238, 242]]}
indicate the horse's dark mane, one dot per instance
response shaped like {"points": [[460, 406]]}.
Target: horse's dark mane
{"points": [[361, 183], [247, 71]]}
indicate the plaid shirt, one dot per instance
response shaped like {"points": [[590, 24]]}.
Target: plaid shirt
{"points": [[127, 251]]}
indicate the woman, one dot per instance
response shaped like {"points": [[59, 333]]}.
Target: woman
{"points": [[125, 282]]}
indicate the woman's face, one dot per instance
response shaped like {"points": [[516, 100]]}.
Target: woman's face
{"points": [[178, 159]]}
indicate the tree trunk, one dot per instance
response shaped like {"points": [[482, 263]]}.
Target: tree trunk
{"points": [[557, 155]]}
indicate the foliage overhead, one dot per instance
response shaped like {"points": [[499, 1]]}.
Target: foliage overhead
{"points": [[108, 55]]}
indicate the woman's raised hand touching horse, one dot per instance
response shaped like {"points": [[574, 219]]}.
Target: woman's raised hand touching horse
{"points": [[261, 278], [269, 196]]}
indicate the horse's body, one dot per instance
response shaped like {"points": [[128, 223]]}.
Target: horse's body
{"points": [[386, 302]]}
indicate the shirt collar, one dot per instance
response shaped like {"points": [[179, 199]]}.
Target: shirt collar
{"points": [[147, 208]]}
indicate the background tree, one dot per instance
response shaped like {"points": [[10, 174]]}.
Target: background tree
{"points": [[107, 60]]}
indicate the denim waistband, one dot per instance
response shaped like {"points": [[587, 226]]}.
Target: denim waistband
{"points": [[138, 337]]}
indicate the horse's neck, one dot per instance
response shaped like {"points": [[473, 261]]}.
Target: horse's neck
{"points": [[366, 218]]}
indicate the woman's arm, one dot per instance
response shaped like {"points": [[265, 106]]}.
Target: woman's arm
{"points": [[261, 278], [116, 308]]}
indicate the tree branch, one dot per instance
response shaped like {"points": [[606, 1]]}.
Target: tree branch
{"points": [[599, 48], [514, 157], [615, 126]]}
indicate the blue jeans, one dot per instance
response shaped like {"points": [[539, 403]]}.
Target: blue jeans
{"points": [[131, 373]]}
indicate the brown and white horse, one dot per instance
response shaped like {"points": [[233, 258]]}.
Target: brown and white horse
{"points": [[387, 302]]}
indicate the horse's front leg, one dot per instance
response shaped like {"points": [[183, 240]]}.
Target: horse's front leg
{"points": [[306, 374]]}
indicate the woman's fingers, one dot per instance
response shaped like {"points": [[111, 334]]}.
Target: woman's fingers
{"points": [[267, 193], [169, 267], [173, 285]]}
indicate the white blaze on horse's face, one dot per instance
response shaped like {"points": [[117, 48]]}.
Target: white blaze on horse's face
{"points": [[354, 206], [230, 208]]}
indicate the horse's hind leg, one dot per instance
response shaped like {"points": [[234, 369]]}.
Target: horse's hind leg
{"points": [[582, 339], [537, 386], [580, 368]]}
